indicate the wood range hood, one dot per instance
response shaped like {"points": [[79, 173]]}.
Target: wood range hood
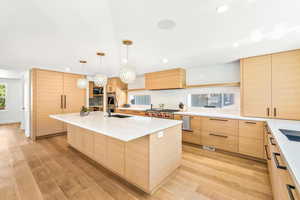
{"points": [[166, 79]]}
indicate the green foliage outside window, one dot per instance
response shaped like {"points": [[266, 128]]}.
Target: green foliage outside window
{"points": [[2, 96]]}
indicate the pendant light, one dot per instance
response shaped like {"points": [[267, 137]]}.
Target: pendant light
{"points": [[100, 80], [82, 83], [127, 72]]}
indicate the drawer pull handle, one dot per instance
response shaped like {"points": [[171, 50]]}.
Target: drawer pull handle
{"points": [[223, 120], [290, 192], [267, 153], [250, 122], [268, 111], [277, 163], [272, 141], [217, 135]]}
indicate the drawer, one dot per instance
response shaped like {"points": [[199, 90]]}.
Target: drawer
{"points": [[191, 137], [220, 141], [220, 125], [251, 147], [196, 123], [251, 129]]}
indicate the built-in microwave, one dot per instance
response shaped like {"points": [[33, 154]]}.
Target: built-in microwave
{"points": [[97, 90]]}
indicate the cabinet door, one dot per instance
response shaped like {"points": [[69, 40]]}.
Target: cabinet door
{"points": [[116, 155], [74, 97], [71, 134], [286, 84], [100, 148], [256, 86], [47, 93]]}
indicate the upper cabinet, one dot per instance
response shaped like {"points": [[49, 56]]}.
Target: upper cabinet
{"points": [[256, 86], [270, 85], [167, 79]]}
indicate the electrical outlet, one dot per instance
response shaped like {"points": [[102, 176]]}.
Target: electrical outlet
{"points": [[209, 148], [160, 134]]}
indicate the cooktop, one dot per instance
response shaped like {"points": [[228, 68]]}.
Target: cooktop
{"points": [[291, 134]]}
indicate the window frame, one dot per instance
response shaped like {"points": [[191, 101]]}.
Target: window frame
{"points": [[5, 97]]}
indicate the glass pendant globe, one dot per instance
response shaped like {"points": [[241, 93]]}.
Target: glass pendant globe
{"points": [[100, 80], [82, 83], [127, 74]]}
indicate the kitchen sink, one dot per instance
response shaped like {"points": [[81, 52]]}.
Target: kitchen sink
{"points": [[120, 116]]}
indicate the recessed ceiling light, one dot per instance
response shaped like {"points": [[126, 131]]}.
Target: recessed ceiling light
{"points": [[125, 61], [166, 24], [165, 60], [236, 44], [222, 9], [68, 69]]}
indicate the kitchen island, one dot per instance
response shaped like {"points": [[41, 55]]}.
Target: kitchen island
{"points": [[142, 150]]}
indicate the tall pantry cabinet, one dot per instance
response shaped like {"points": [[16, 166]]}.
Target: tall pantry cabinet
{"points": [[53, 93], [270, 85]]}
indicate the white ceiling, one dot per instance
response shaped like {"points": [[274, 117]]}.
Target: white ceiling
{"points": [[55, 34]]}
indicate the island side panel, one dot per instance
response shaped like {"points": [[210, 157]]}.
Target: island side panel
{"points": [[137, 162], [165, 154]]}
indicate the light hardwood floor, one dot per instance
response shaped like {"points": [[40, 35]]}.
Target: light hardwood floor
{"points": [[49, 169]]}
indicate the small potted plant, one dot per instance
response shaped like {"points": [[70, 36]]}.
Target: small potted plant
{"points": [[84, 111]]}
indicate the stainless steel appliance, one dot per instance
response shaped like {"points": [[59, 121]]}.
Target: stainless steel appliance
{"points": [[161, 113]]}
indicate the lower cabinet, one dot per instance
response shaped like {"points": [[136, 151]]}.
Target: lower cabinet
{"points": [[220, 141], [145, 161], [283, 187]]}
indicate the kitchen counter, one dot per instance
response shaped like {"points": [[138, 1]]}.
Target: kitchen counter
{"points": [[134, 109], [219, 115], [289, 149], [124, 129]]}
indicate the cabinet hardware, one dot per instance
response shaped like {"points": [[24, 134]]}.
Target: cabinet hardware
{"points": [[250, 122], [267, 153], [223, 120], [272, 141], [277, 162], [61, 102], [223, 136], [275, 112], [290, 192], [268, 111], [65, 106]]}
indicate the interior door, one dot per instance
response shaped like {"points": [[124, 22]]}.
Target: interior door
{"points": [[286, 84], [74, 97], [256, 86], [49, 88]]}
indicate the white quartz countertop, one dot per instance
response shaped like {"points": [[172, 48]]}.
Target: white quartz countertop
{"points": [[289, 149], [136, 109], [124, 129], [220, 115]]}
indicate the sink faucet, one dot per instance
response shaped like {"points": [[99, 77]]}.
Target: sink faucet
{"points": [[108, 110]]}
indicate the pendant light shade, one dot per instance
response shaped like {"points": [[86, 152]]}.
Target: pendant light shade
{"points": [[127, 72], [82, 83], [100, 80]]}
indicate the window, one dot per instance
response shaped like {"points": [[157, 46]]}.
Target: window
{"points": [[213, 100], [3, 91], [140, 100]]}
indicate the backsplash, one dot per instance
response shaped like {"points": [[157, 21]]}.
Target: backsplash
{"points": [[172, 98]]}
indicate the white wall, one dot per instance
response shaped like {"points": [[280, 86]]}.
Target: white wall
{"points": [[13, 112], [202, 75]]}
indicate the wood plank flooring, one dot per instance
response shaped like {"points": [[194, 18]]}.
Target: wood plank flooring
{"points": [[48, 169]]}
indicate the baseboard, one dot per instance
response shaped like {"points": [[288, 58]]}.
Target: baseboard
{"points": [[11, 123], [50, 135]]}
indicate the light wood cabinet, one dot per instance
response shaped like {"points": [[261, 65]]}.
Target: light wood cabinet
{"points": [[47, 100], [193, 136], [270, 85], [251, 138], [145, 161], [168, 79], [53, 93], [286, 84], [115, 85], [256, 86]]}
